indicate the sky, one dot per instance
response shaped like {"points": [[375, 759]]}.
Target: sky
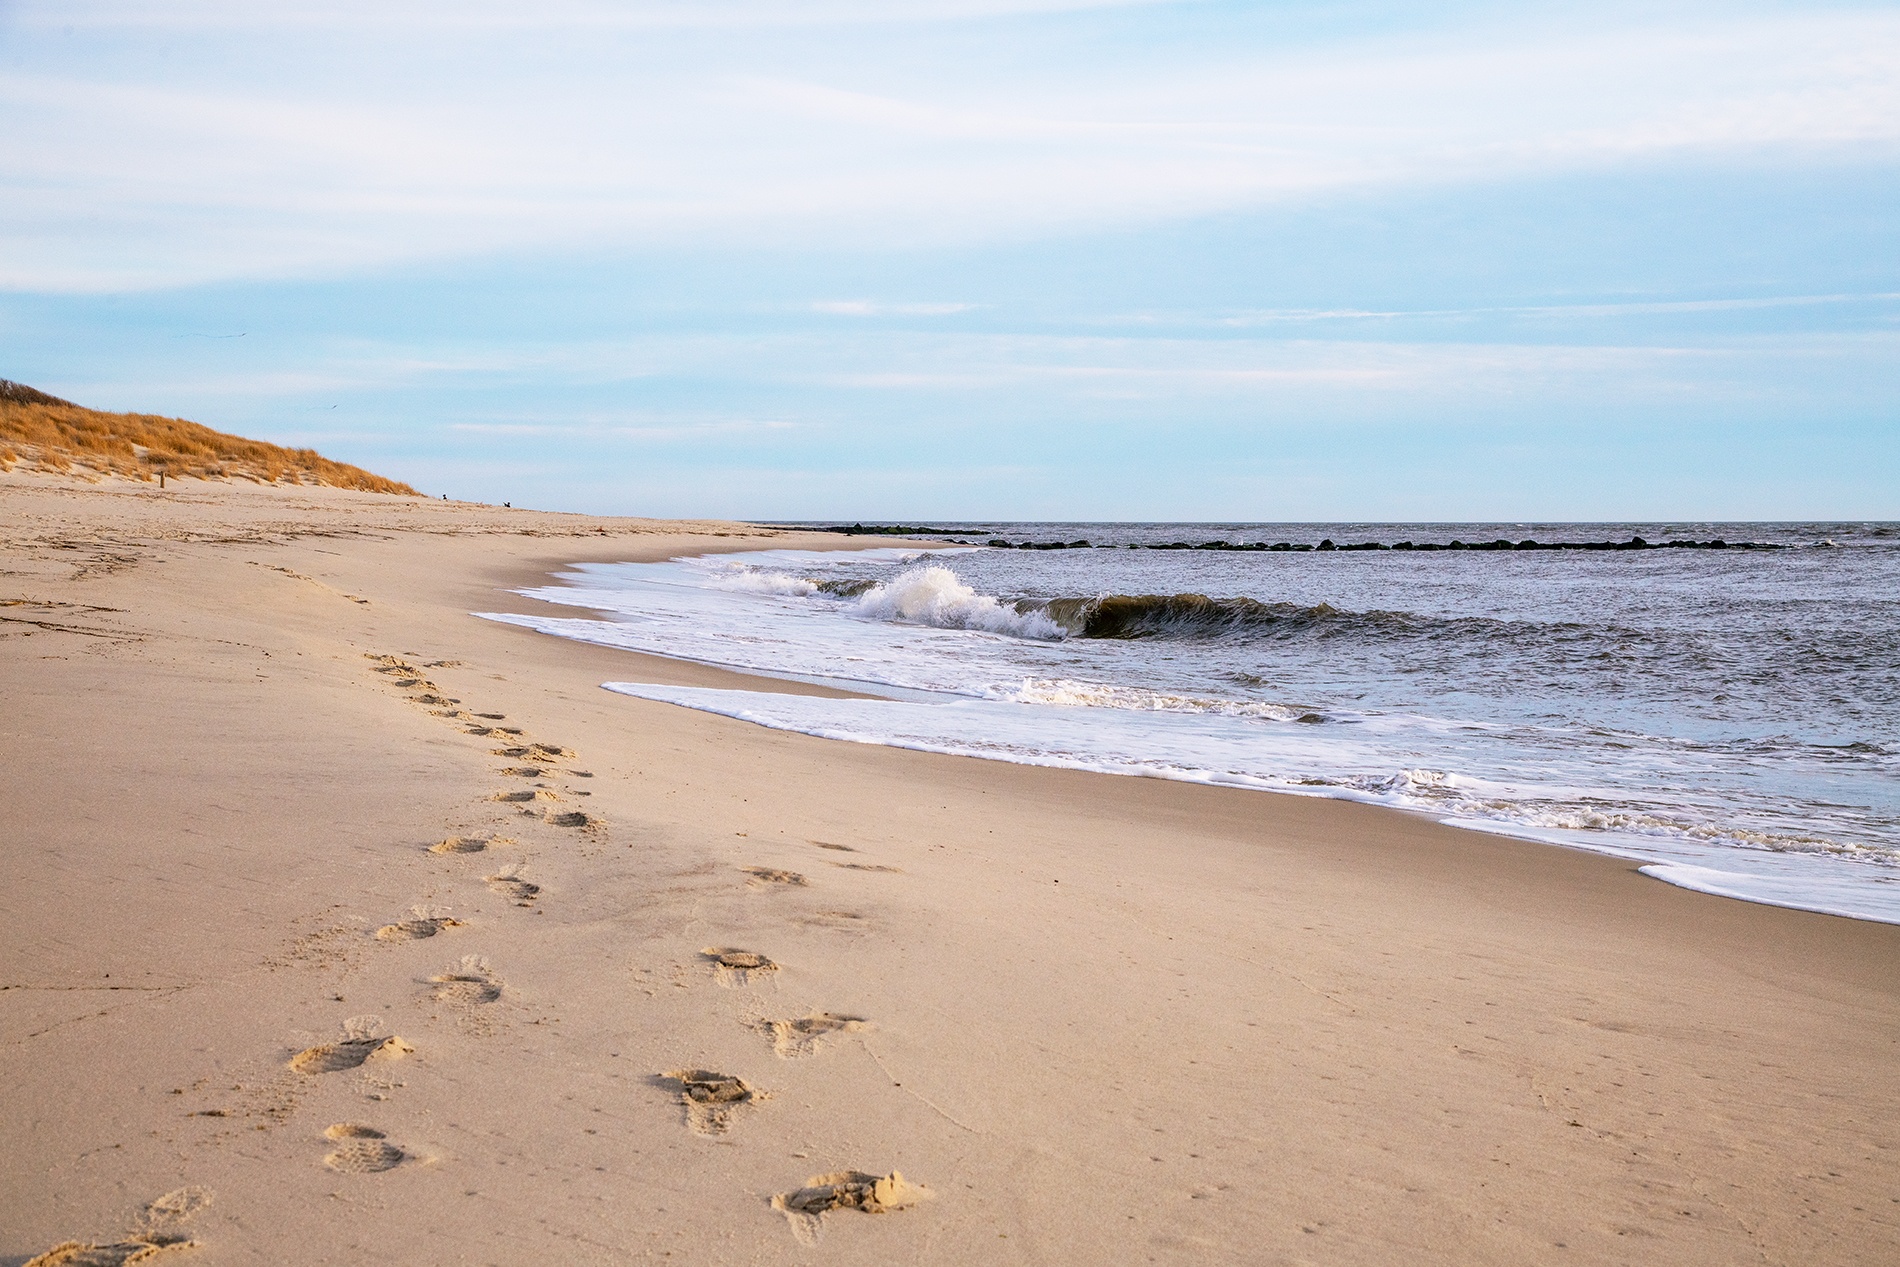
{"points": [[982, 259]]}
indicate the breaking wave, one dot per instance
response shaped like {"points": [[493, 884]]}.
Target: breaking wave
{"points": [[937, 596]]}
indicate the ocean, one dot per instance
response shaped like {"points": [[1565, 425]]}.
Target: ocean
{"points": [[1727, 714]]}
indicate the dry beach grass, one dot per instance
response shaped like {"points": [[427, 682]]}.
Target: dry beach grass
{"points": [[43, 432]]}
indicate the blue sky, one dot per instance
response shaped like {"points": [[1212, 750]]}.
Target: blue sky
{"points": [[982, 258]]}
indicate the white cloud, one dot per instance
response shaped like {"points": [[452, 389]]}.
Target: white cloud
{"points": [[374, 143], [1669, 307], [871, 308], [883, 374], [630, 429], [511, 15]]}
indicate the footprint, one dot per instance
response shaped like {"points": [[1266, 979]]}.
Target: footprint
{"points": [[348, 1054], [157, 1233], [795, 1038], [852, 1190], [471, 984], [176, 1206], [523, 771], [360, 1045], [711, 1098], [835, 919], [826, 844], [510, 752], [771, 875], [736, 967], [548, 751], [844, 1190], [480, 730], [468, 844], [522, 798], [573, 818], [416, 929], [361, 1150], [139, 1249], [509, 884], [867, 866], [493, 716]]}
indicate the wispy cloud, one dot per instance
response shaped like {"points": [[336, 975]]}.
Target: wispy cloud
{"points": [[871, 308], [855, 377], [1579, 311], [508, 15], [650, 430], [260, 157]]}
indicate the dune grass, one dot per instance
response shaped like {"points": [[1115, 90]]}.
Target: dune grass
{"points": [[57, 435]]}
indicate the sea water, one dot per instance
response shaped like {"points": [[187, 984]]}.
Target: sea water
{"points": [[1730, 717]]}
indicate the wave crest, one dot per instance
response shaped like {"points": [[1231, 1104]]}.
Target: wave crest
{"points": [[937, 596], [1198, 616]]}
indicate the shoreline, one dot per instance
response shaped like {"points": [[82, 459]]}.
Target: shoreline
{"points": [[1100, 1015], [1699, 875]]}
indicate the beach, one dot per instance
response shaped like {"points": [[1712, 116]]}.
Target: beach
{"points": [[343, 924]]}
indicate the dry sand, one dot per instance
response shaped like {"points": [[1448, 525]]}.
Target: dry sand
{"points": [[298, 967]]}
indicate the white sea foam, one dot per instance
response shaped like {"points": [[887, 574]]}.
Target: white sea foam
{"points": [[737, 579], [1068, 693], [1835, 895]]}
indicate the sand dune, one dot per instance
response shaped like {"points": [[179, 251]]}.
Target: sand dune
{"points": [[43, 433]]}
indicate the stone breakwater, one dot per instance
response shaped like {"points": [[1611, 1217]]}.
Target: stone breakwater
{"points": [[1328, 544], [1325, 544]]}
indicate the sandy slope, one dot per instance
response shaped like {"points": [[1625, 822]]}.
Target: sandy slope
{"points": [[1097, 1020]]}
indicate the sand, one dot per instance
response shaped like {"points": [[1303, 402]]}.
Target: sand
{"points": [[300, 965]]}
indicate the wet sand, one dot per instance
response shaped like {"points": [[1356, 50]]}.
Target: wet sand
{"points": [[343, 925]]}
